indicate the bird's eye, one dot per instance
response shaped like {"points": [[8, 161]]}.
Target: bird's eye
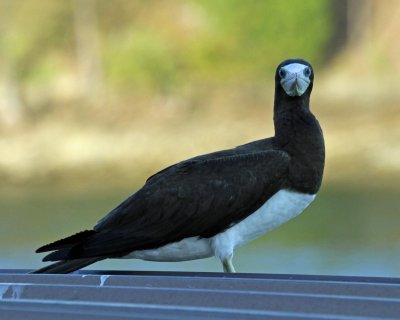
{"points": [[307, 72], [282, 73]]}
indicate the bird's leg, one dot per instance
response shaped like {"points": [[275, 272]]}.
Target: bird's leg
{"points": [[228, 265]]}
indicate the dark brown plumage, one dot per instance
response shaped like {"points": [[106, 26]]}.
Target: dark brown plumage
{"points": [[205, 195]]}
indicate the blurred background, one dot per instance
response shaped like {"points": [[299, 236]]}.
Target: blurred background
{"points": [[96, 95]]}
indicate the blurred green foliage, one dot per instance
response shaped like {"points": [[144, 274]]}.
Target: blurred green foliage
{"points": [[141, 60], [156, 45], [251, 37]]}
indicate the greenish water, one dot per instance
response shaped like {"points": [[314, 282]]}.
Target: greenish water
{"points": [[351, 231]]}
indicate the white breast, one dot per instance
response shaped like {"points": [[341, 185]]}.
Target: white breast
{"points": [[281, 207]]}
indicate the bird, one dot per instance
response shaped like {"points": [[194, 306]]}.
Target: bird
{"points": [[211, 204]]}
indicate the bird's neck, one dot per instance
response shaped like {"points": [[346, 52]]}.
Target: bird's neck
{"points": [[293, 119], [298, 133]]}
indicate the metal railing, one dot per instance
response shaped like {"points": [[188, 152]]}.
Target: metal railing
{"points": [[180, 295]]}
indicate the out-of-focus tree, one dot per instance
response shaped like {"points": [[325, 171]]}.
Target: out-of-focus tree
{"points": [[370, 37], [88, 50], [35, 33], [168, 43], [60, 51], [11, 107], [251, 37]]}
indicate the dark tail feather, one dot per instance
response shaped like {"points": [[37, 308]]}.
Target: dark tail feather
{"points": [[67, 242], [67, 266], [58, 255]]}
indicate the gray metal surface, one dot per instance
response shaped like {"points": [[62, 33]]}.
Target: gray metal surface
{"points": [[172, 295]]}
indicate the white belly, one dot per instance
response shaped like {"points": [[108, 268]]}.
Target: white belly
{"points": [[281, 207], [186, 249]]}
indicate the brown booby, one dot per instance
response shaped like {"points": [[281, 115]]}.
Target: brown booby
{"points": [[211, 204]]}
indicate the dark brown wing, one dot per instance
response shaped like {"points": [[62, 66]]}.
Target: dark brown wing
{"points": [[194, 198], [252, 147]]}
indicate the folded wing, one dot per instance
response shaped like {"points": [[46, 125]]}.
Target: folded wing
{"points": [[193, 198]]}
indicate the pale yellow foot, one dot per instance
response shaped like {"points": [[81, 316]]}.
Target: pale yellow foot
{"points": [[228, 265]]}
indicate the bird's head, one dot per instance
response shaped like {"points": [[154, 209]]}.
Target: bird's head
{"points": [[295, 77]]}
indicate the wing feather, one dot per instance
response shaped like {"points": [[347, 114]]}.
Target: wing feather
{"points": [[198, 197], [193, 198]]}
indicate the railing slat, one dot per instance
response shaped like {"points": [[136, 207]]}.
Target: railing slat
{"points": [[166, 295]]}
